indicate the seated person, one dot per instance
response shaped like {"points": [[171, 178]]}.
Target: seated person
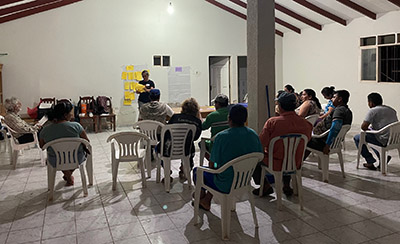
{"points": [[190, 114], [219, 115], [155, 110], [288, 122], [327, 92], [229, 144], [310, 104], [22, 131], [378, 117], [62, 128], [342, 115]]}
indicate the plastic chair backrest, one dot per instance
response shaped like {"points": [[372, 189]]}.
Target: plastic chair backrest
{"points": [[48, 100], [64, 100], [337, 144], [291, 143], [128, 144], [66, 150], [394, 133], [312, 118], [150, 128], [243, 168], [179, 135]]}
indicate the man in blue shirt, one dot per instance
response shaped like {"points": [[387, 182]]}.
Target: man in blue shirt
{"points": [[229, 144]]}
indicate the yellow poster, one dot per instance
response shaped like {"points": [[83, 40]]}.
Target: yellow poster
{"points": [[132, 96], [127, 95], [129, 67], [138, 75], [124, 75], [130, 75], [127, 102], [133, 85], [126, 85]]}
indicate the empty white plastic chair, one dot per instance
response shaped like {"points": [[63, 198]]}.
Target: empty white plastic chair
{"points": [[336, 147], [203, 148], [150, 128], [393, 143], [5, 143], [126, 147], [291, 143], [66, 151], [16, 147], [243, 168], [180, 134]]}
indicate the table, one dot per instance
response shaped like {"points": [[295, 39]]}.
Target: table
{"points": [[204, 110]]}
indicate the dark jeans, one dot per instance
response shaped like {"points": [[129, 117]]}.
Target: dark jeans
{"points": [[315, 143], [25, 138], [208, 179], [370, 138], [257, 175]]}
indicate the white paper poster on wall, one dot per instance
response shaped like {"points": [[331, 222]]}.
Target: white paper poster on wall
{"points": [[179, 84]]}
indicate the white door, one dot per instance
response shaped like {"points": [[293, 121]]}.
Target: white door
{"points": [[219, 76]]}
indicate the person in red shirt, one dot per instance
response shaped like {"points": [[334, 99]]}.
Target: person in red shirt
{"points": [[288, 122]]}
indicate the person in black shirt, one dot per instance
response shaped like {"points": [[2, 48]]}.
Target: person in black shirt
{"points": [[144, 97]]}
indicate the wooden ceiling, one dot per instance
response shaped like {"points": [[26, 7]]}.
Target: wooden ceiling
{"points": [[295, 15], [290, 15]]}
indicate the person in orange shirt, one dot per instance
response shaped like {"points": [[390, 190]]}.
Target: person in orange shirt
{"points": [[288, 122]]}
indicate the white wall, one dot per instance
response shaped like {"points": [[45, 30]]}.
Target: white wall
{"points": [[316, 59], [79, 49]]}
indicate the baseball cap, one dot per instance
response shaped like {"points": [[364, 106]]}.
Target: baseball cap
{"points": [[221, 99], [287, 101], [155, 92]]}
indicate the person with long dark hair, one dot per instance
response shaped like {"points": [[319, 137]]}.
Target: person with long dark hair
{"points": [[327, 92], [310, 104], [62, 127]]}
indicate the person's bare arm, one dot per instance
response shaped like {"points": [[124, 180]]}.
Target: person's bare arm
{"points": [[365, 125], [84, 136], [304, 109], [330, 110]]}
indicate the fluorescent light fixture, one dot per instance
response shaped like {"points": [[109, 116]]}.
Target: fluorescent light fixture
{"points": [[170, 8]]}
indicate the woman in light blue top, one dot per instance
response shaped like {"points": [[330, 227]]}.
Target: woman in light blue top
{"points": [[61, 127]]}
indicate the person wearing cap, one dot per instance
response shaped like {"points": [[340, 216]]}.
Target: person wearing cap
{"points": [[155, 110], [229, 144], [288, 122], [144, 97], [219, 115]]}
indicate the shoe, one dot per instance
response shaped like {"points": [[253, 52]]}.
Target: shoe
{"points": [[182, 176], [268, 192], [201, 206], [70, 182], [287, 190], [369, 166]]}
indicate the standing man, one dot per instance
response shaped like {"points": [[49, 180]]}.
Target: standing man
{"points": [[144, 97], [288, 122], [378, 117]]}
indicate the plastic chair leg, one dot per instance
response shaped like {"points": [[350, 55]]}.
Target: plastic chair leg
{"points": [[278, 189], [294, 184], [114, 166], [158, 169], [148, 161], [262, 181], [225, 218], [382, 154], [197, 202], [167, 176], [186, 169], [141, 165], [253, 209], [341, 163], [325, 167], [89, 169], [84, 182], [299, 188], [14, 159], [51, 172]]}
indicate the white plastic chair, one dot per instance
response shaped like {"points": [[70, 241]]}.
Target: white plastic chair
{"points": [[150, 128], [312, 118], [290, 147], [203, 149], [243, 168], [5, 143], [179, 135], [336, 147], [66, 151], [393, 143], [16, 147], [126, 147]]}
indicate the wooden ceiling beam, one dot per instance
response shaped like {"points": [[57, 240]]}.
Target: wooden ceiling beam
{"points": [[287, 25], [240, 3], [358, 8], [24, 6], [297, 16], [237, 13], [321, 11], [395, 2], [6, 2], [39, 9]]}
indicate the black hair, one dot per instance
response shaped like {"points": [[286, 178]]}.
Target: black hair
{"points": [[145, 72], [289, 88], [345, 95], [311, 92], [238, 115], [328, 91], [60, 111], [375, 98]]}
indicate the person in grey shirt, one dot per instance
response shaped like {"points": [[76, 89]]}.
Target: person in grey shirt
{"points": [[378, 117]]}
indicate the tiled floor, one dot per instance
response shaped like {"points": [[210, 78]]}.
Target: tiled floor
{"points": [[362, 208]]}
